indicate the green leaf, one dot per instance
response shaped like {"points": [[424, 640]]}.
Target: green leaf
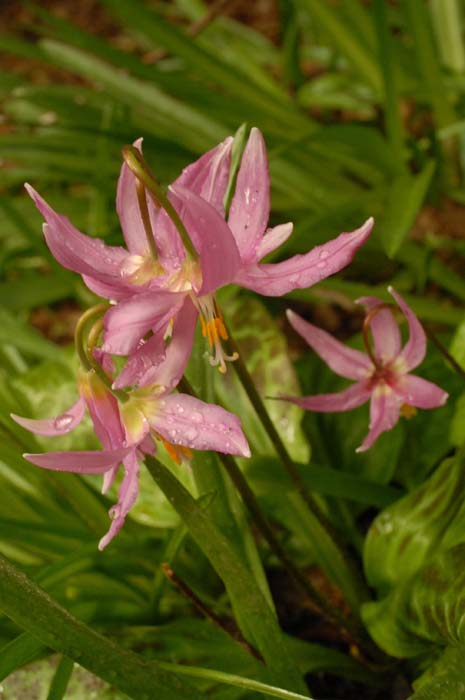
{"points": [[424, 611], [404, 199], [18, 652], [237, 579], [404, 536], [61, 679], [33, 610]]}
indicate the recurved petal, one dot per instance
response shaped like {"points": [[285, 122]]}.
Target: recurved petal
{"points": [[127, 495], [209, 175], [126, 324], [419, 392], [84, 462], [300, 271], [52, 427], [384, 413], [273, 238], [212, 238], [250, 207], [143, 360], [343, 360], [75, 251], [184, 420], [414, 351], [352, 397], [384, 328]]}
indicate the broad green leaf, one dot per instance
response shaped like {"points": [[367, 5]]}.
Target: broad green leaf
{"points": [[423, 611], [264, 349], [445, 680], [404, 198], [405, 535]]}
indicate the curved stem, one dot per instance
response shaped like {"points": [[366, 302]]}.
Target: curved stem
{"points": [[136, 163], [444, 351], [87, 316], [144, 212]]}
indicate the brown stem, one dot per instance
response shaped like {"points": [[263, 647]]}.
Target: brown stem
{"points": [[230, 628], [443, 350]]}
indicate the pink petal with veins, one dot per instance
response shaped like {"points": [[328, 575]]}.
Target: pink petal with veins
{"points": [[169, 371], [301, 271], [127, 495], [384, 328], [184, 420], [250, 207], [126, 324], [212, 238], [209, 175], [414, 351], [384, 413], [343, 360], [74, 250], [52, 427], [352, 397], [419, 392], [85, 462], [273, 238]]}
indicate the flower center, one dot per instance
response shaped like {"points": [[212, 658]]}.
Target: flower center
{"points": [[139, 269], [214, 329]]}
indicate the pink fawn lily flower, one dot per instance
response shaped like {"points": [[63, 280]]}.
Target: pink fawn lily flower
{"points": [[151, 291], [382, 376], [126, 432]]}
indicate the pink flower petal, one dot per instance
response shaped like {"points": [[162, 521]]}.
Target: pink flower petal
{"points": [[51, 427], [273, 238], [300, 271], [116, 290], [385, 330], [209, 175], [145, 359], [104, 411], [169, 371], [75, 251], [212, 238], [85, 462], [185, 420], [384, 414], [127, 495], [343, 360], [250, 207], [418, 392], [126, 324], [414, 351], [352, 397]]}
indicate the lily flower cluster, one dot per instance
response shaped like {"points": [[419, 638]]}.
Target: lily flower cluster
{"points": [[181, 248]]}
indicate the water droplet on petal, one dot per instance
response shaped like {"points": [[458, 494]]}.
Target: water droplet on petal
{"points": [[321, 264], [179, 408], [324, 254], [63, 422], [196, 417], [190, 434]]}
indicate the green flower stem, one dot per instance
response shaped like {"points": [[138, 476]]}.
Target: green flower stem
{"points": [[91, 314], [85, 348], [239, 582], [444, 351], [136, 163], [36, 612], [230, 679], [286, 461]]}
